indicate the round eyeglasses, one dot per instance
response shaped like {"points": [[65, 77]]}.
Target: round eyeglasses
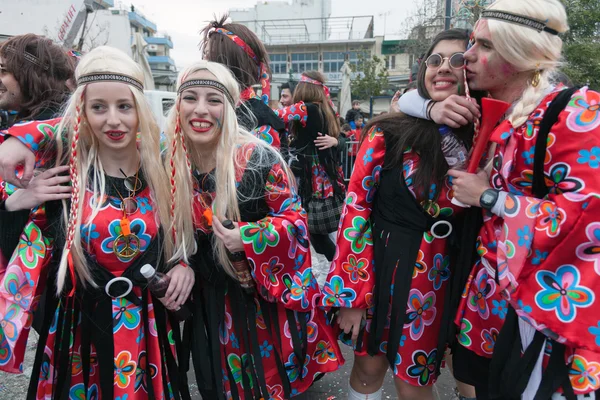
{"points": [[456, 60]]}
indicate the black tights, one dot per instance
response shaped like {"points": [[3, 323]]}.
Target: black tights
{"points": [[323, 245]]}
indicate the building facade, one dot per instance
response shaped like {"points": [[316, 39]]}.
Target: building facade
{"points": [[105, 25], [321, 43]]}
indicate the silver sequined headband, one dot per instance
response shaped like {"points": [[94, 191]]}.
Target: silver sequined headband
{"points": [[519, 20], [207, 83], [91, 78]]}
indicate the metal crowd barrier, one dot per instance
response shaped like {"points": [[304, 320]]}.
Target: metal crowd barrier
{"points": [[349, 160]]}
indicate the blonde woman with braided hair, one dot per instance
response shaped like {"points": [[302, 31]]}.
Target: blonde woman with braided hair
{"points": [[256, 331], [104, 335]]}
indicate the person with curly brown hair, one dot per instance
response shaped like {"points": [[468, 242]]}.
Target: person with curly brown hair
{"points": [[33, 78]]}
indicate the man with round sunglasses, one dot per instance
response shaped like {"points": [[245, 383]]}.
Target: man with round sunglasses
{"points": [[538, 192]]}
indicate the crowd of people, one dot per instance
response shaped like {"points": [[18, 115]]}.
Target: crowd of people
{"points": [[492, 269]]}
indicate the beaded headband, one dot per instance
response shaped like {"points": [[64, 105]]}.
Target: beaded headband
{"points": [[519, 20], [263, 72], [109, 77], [29, 57], [207, 83]]}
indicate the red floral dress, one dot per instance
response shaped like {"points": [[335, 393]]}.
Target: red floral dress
{"points": [[351, 280], [545, 251], [278, 252], [137, 359]]}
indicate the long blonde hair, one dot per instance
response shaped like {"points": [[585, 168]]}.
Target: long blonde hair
{"points": [[528, 50], [77, 145], [232, 155]]}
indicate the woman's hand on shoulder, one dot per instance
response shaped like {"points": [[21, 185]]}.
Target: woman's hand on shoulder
{"points": [[180, 287], [45, 186], [323, 142]]}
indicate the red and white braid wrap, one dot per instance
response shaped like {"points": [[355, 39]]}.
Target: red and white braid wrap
{"points": [[74, 174]]}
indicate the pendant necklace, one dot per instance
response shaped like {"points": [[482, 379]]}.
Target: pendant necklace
{"points": [[127, 245]]}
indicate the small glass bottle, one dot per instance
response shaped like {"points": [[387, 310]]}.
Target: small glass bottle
{"points": [[158, 283]]}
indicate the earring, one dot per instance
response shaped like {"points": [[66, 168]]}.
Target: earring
{"points": [[535, 80]]}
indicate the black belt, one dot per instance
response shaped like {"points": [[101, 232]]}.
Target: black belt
{"points": [[93, 306], [396, 264]]}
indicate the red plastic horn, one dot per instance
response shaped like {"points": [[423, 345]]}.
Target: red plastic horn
{"points": [[491, 112]]}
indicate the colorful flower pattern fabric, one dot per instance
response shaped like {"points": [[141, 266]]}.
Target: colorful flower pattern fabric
{"points": [[265, 133], [278, 251], [21, 287], [352, 275], [547, 248]]}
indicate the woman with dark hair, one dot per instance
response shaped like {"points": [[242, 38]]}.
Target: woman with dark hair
{"points": [[392, 264], [318, 169], [33, 77], [237, 47]]}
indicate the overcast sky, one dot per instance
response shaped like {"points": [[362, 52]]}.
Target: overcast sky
{"points": [[183, 19]]}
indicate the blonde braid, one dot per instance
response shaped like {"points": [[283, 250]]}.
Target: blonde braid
{"points": [[529, 101], [67, 258], [174, 145]]}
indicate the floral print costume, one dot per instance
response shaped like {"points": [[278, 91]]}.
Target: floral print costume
{"points": [[102, 348], [273, 343], [547, 257], [365, 235]]}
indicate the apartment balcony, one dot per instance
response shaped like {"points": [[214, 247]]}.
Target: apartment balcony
{"points": [[141, 22], [160, 41], [160, 60]]}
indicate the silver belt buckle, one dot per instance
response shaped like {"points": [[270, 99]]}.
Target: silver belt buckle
{"points": [[115, 280]]}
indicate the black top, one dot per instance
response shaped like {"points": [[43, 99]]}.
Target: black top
{"points": [[304, 149], [264, 116]]}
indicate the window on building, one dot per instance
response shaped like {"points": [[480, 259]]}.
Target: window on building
{"points": [[333, 61], [353, 56], [305, 62], [393, 62], [278, 63]]}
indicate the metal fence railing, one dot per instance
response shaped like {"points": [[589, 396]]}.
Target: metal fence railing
{"points": [[348, 158]]}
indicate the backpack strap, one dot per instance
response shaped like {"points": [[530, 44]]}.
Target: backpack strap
{"points": [[539, 188]]}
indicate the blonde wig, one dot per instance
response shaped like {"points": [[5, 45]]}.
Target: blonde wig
{"points": [[77, 145], [232, 155], [528, 50]]}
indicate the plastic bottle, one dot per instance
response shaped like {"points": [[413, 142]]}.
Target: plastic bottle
{"points": [[158, 283], [454, 150]]}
